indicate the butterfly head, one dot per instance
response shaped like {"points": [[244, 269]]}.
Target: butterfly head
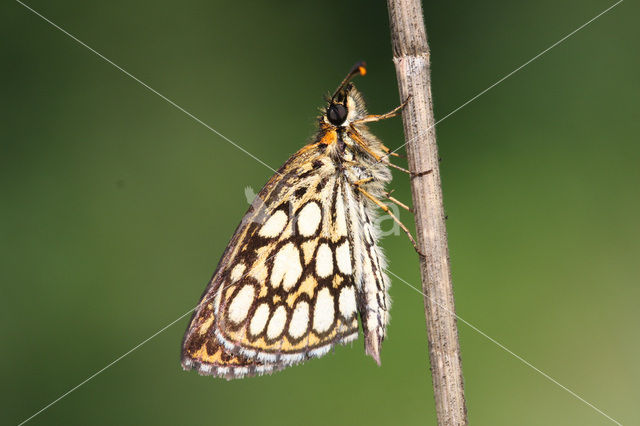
{"points": [[346, 104]]}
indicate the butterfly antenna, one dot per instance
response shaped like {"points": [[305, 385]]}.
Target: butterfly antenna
{"points": [[358, 69]]}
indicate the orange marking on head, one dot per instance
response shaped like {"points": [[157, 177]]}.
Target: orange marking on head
{"points": [[329, 137], [363, 70]]}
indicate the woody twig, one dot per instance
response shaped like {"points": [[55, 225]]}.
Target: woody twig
{"points": [[412, 62]]}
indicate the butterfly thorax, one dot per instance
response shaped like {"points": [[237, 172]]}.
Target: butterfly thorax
{"points": [[355, 151]]}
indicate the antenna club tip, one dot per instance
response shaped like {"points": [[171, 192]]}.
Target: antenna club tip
{"points": [[361, 67]]}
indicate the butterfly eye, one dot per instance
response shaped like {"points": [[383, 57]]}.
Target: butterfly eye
{"points": [[337, 114]]}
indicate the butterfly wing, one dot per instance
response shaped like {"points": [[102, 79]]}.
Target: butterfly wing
{"points": [[369, 266], [284, 290], [208, 357]]}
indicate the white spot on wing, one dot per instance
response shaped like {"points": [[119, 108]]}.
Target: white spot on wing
{"points": [[274, 225], [324, 261], [341, 218], [286, 267], [241, 303], [299, 320], [237, 271], [259, 320], [343, 258], [309, 219], [278, 320], [323, 312], [347, 302]]}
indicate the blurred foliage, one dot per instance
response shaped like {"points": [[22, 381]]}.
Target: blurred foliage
{"points": [[116, 206]]}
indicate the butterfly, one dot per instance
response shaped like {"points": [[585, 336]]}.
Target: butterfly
{"points": [[304, 264]]}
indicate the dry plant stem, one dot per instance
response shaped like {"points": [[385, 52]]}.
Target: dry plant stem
{"points": [[411, 58]]}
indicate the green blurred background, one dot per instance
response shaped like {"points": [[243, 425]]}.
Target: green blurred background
{"points": [[116, 206]]}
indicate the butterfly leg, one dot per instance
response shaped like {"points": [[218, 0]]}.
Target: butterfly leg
{"points": [[387, 194], [377, 117], [389, 152], [410, 173], [353, 133], [402, 169], [390, 213], [356, 137], [362, 181], [398, 202]]}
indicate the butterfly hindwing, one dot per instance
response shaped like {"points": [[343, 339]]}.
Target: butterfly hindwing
{"points": [[208, 357], [284, 290], [286, 307]]}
